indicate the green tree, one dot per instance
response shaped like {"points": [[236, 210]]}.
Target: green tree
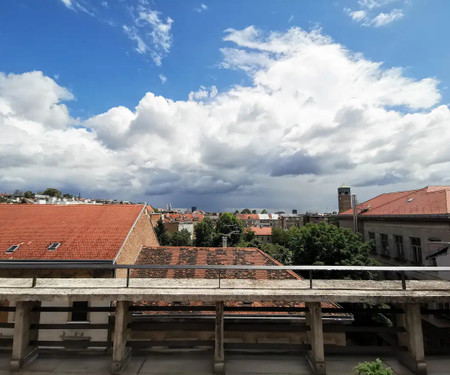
{"points": [[254, 212], [281, 236], [52, 192], [264, 211], [278, 252], [372, 368], [249, 235], [161, 234], [181, 238], [324, 244], [28, 194], [68, 196], [229, 225], [204, 233], [246, 211]]}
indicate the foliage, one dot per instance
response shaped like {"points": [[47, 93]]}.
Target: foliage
{"points": [[278, 252], [249, 235], [264, 211], [204, 233], [254, 212], [68, 196], [161, 234], [230, 226], [324, 244], [246, 211], [28, 194], [181, 238], [372, 368], [52, 192], [280, 236]]}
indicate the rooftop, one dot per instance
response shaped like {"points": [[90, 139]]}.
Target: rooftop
{"points": [[431, 200], [209, 256], [85, 232]]}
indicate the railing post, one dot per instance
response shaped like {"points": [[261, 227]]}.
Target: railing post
{"points": [[121, 353], [220, 276], [310, 279], [219, 353], [23, 352], [403, 281], [315, 357]]}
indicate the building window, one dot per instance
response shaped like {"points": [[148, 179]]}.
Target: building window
{"points": [[374, 241], [384, 244], [399, 247], [79, 313], [416, 249]]}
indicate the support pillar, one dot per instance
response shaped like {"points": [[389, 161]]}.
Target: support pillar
{"points": [[23, 351], [315, 357], [219, 353], [413, 339], [121, 353]]}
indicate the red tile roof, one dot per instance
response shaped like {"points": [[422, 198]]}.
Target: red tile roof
{"points": [[177, 217], [86, 232], [431, 200], [262, 231], [209, 256]]}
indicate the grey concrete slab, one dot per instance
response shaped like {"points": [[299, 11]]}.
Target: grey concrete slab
{"points": [[8, 282], [98, 365], [198, 363], [438, 365], [248, 290], [44, 363], [240, 364]]}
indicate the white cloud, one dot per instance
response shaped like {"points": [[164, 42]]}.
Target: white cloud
{"points": [[201, 8], [146, 27], [386, 18], [315, 115], [358, 15], [163, 78], [369, 13]]}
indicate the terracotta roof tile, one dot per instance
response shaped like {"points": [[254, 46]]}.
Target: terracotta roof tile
{"points": [[262, 231], [431, 200], [86, 232], [209, 256]]}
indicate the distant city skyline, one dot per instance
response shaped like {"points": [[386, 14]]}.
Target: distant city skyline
{"points": [[224, 104]]}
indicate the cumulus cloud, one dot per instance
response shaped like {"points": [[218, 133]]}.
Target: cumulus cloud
{"points": [[201, 8], [314, 116], [386, 18]]}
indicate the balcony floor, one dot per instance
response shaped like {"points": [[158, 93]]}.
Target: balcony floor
{"points": [[200, 363]]}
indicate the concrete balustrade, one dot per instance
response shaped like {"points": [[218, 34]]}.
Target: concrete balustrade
{"points": [[28, 298]]}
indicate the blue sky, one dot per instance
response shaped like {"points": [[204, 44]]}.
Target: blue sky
{"points": [[104, 55]]}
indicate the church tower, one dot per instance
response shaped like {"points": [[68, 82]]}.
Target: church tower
{"points": [[344, 198]]}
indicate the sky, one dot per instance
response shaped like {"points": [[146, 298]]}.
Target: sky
{"points": [[224, 104]]}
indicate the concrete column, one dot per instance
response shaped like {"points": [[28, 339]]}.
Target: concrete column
{"points": [[316, 357], [23, 352], [413, 339], [121, 353], [219, 353]]}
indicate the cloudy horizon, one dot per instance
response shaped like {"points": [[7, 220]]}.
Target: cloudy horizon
{"points": [[304, 114]]}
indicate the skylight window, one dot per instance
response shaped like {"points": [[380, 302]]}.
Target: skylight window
{"points": [[410, 199], [12, 248], [54, 246]]}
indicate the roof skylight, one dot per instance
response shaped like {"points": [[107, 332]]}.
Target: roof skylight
{"points": [[54, 246], [12, 248]]}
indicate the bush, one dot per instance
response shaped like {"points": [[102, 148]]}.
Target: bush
{"points": [[372, 368]]}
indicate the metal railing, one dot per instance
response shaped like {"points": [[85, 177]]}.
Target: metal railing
{"points": [[36, 265]]}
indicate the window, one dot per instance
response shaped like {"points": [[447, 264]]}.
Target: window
{"points": [[12, 248], [79, 313], [399, 247], [416, 249], [53, 246], [374, 241], [384, 244]]}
